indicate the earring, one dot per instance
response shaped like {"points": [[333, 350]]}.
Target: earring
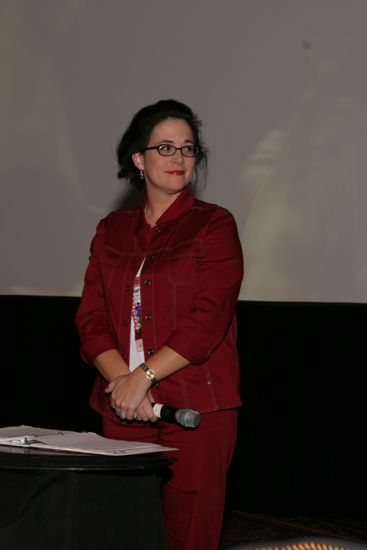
{"points": [[141, 174]]}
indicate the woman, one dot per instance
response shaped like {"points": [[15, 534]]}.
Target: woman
{"points": [[157, 318]]}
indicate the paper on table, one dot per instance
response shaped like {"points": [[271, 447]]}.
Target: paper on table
{"points": [[80, 442], [18, 433]]}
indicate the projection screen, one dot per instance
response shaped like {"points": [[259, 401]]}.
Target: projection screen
{"points": [[280, 86]]}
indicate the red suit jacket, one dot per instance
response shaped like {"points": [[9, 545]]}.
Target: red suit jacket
{"points": [[189, 287]]}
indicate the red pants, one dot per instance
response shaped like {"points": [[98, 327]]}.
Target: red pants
{"points": [[193, 499]]}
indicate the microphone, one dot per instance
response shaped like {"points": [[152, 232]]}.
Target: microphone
{"points": [[188, 418]]}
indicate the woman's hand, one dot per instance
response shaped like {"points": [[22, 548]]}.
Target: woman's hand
{"points": [[145, 411], [129, 396]]}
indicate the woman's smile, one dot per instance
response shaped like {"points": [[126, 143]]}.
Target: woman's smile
{"points": [[176, 172]]}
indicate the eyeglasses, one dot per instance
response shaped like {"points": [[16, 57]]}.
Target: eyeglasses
{"points": [[168, 150]]}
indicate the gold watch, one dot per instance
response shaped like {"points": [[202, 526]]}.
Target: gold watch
{"points": [[149, 374]]}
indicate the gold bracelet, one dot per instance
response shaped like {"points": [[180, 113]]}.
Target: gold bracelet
{"points": [[149, 374]]}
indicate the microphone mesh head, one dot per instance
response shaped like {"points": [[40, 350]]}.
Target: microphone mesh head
{"points": [[188, 418]]}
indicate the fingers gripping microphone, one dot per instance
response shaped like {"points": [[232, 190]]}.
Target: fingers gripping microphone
{"points": [[185, 417]]}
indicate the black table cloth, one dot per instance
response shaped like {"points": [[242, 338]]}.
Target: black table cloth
{"points": [[70, 501]]}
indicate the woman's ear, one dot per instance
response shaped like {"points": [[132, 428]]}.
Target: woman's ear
{"points": [[138, 160]]}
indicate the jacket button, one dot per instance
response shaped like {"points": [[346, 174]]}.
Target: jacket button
{"points": [[152, 257], [157, 229], [148, 316], [150, 351], [147, 282]]}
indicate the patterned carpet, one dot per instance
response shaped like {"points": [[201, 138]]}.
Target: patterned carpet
{"points": [[243, 528]]}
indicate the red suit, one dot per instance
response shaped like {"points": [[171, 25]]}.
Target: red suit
{"points": [[189, 287]]}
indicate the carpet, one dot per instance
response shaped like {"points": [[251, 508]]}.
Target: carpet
{"points": [[243, 528]]}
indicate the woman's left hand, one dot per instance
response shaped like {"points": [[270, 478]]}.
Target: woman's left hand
{"points": [[127, 393]]}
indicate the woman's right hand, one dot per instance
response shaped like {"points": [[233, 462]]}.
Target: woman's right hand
{"points": [[145, 412]]}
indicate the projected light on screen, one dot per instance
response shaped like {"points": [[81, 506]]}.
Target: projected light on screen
{"points": [[281, 88], [305, 190]]}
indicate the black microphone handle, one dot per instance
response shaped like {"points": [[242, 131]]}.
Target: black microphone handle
{"points": [[164, 412], [187, 418]]}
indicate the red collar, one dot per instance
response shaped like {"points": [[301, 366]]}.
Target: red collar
{"points": [[180, 206]]}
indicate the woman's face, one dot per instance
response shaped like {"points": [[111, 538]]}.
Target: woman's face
{"points": [[171, 174]]}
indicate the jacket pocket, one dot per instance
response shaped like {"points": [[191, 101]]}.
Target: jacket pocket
{"points": [[183, 262], [109, 262]]}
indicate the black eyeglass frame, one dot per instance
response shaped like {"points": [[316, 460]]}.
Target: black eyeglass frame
{"points": [[157, 147]]}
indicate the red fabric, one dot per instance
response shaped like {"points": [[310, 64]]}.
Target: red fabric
{"points": [[190, 283], [193, 499], [189, 287]]}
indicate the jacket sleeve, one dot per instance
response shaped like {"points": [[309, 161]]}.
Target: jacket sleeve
{"points": [[220, 274], [94, 331]]}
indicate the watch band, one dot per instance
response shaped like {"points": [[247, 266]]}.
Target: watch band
{"points": [[149, 374]]}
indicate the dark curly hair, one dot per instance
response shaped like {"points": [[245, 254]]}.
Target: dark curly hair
{"points": [[136, 138]]}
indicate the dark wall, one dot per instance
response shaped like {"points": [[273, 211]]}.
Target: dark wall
{"points": [[303, 421], [44, 381]]}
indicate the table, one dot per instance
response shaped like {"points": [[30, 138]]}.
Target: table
{"points": [[51, 500]]}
